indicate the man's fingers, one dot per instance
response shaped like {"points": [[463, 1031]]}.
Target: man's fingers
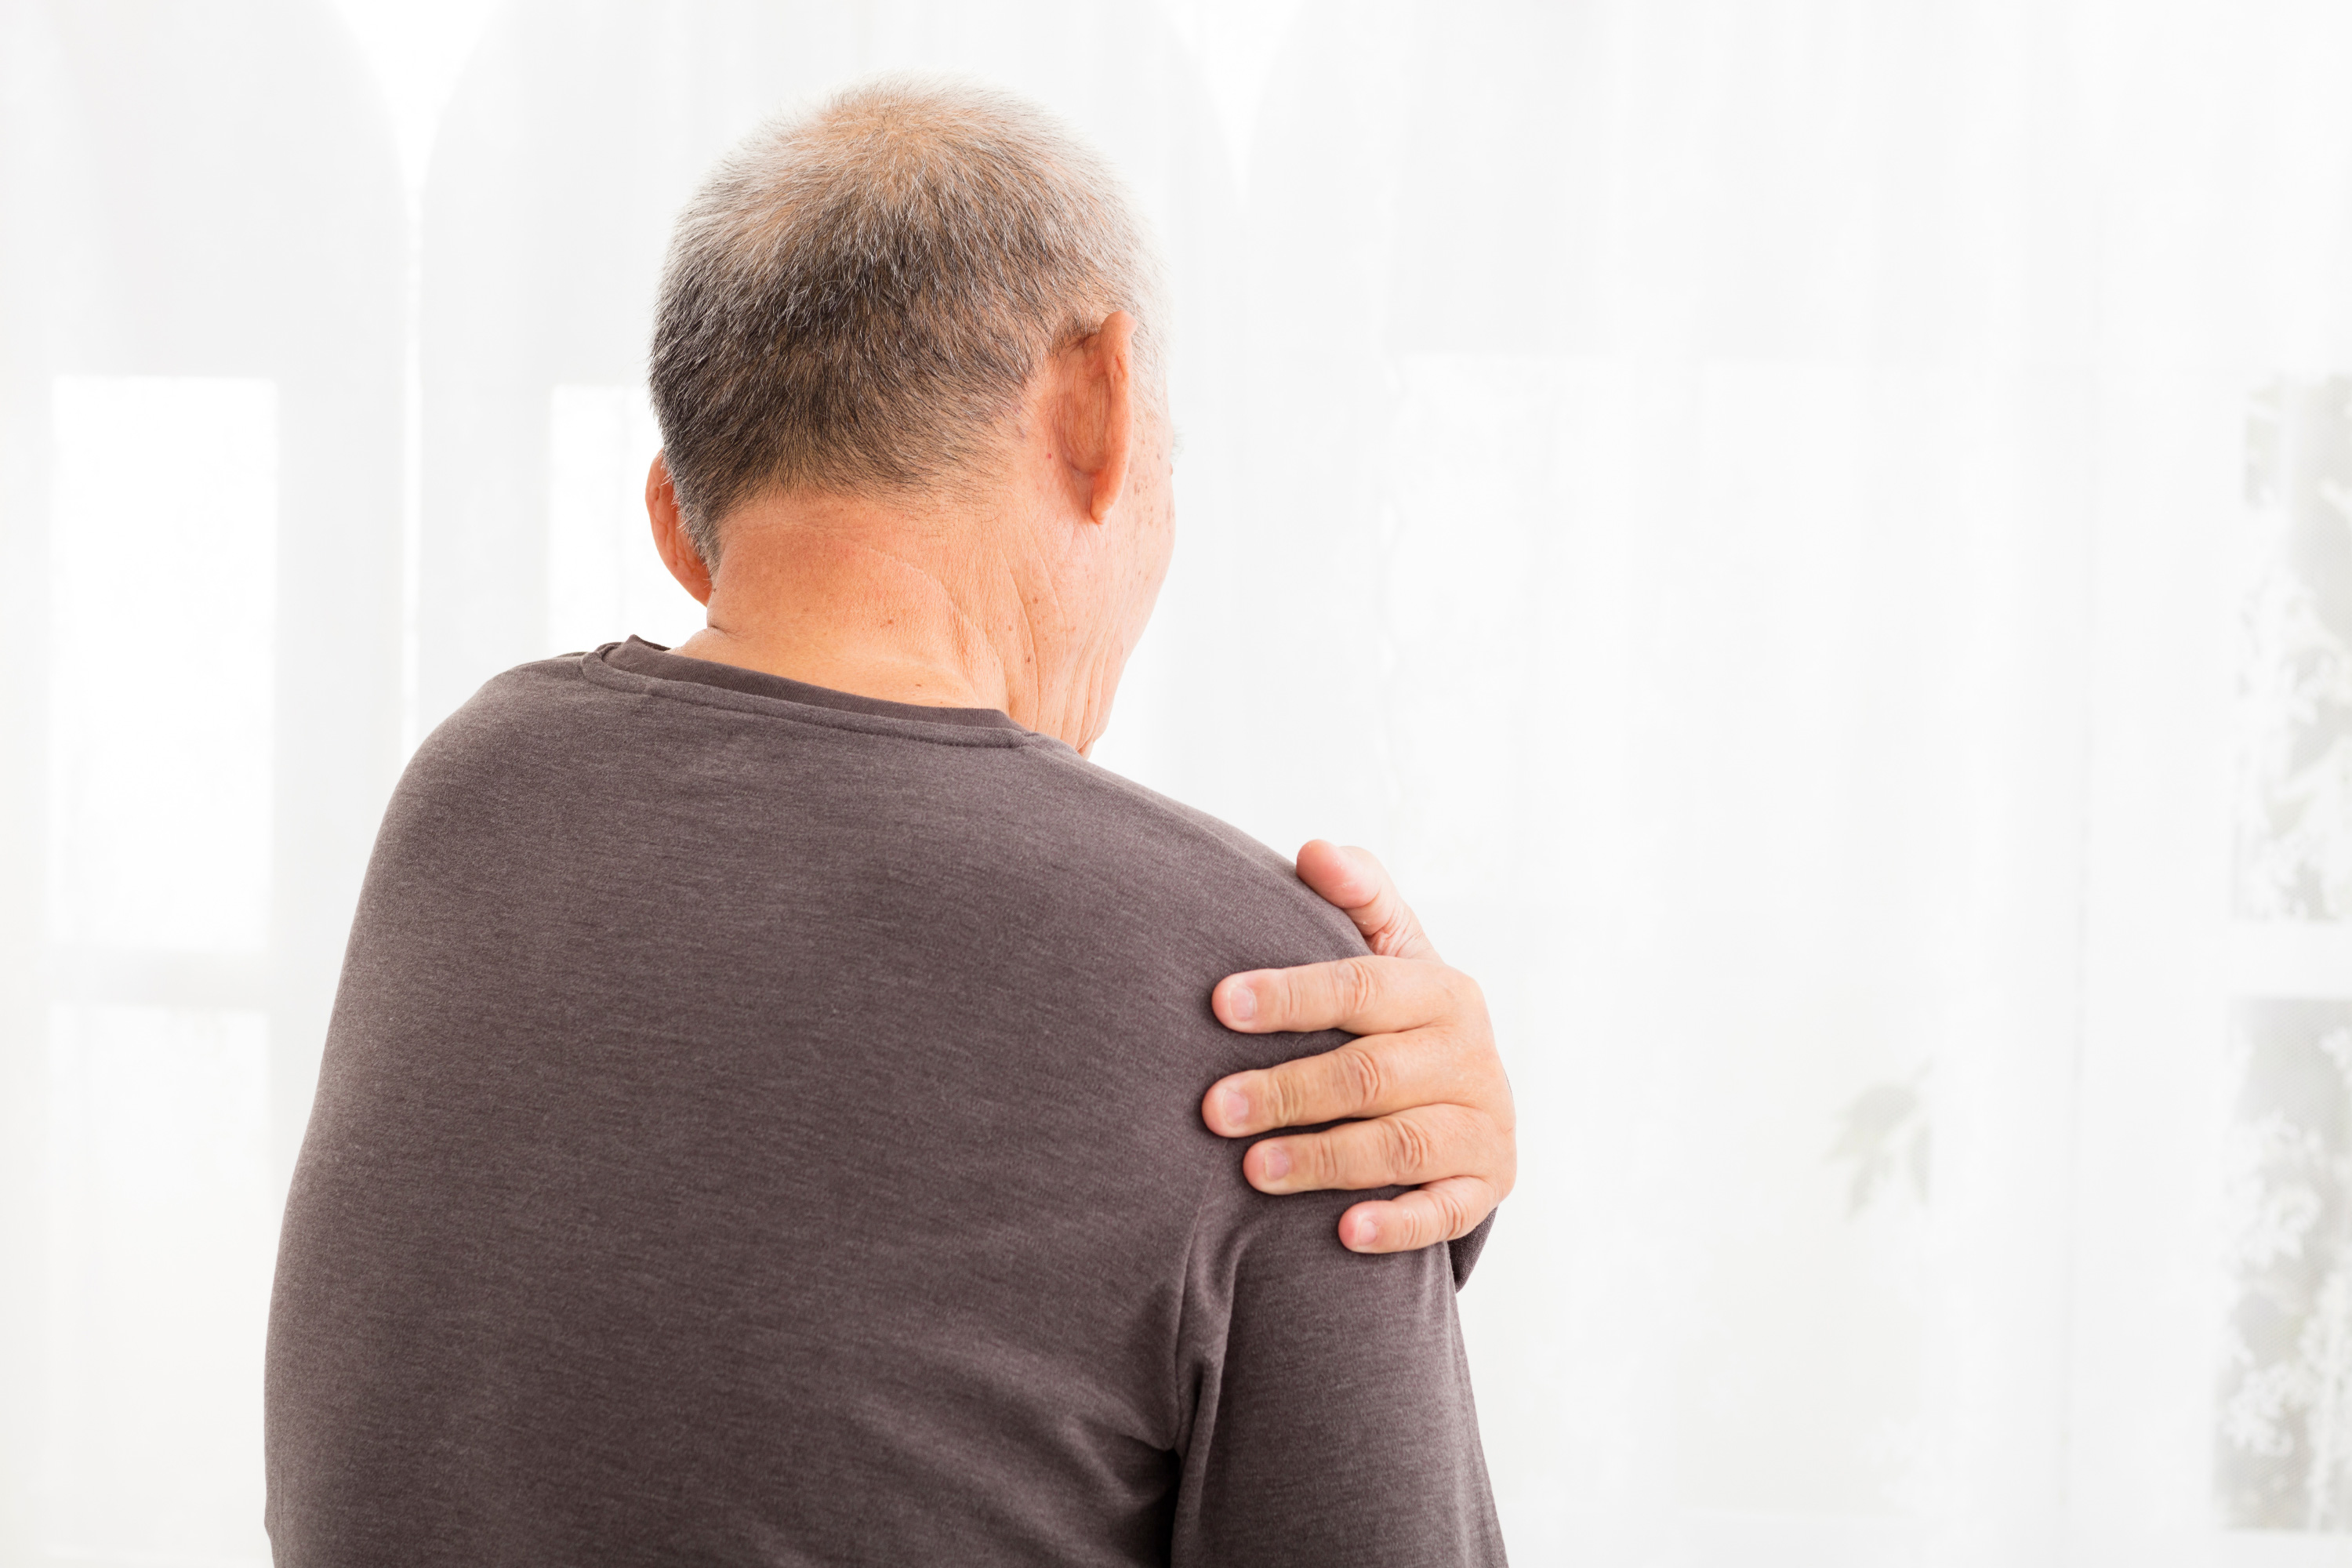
{"points": [[1363, 996], [1426, 1143], [1442, 1211], [1368, 1077], [1354, 880], [1423, 1070]]}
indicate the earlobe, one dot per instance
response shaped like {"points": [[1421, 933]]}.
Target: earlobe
{"points": [[670, 537]]}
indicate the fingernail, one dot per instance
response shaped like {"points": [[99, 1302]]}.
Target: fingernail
{"points": [[1275, 1164], [1241, 1005], [1368, 1231], [1235, 1105]]}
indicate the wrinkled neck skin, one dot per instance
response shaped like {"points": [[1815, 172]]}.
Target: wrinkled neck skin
{"points": [[1021, 586], [947, 606]]}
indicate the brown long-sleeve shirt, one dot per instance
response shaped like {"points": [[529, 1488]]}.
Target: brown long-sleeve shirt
{"points": [[761, 1125]]}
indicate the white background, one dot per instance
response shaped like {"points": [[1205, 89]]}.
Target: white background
{"points": [[1744, 506]]}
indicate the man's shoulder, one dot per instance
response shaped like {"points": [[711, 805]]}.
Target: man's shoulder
{"points": [[1194, 869], [513, 704], [515, 707]]}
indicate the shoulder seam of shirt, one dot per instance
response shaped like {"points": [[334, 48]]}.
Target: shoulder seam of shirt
{"points": [[596, 672]]}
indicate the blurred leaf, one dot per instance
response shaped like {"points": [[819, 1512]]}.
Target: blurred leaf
{"points": [[1885, 1128]]}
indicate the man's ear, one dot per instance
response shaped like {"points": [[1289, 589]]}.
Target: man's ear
{"points": [[676, 546], [1099, 415]]}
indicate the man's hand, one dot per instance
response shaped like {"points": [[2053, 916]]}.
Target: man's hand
{"points": [[1424, 1074]]}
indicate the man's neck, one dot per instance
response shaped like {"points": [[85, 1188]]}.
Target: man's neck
{"points": [[845, 595]]}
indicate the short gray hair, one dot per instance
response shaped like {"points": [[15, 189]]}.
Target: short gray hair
{"points": [[858, 296]]}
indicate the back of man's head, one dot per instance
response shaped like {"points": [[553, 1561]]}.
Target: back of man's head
{"points": [[857, 297]]}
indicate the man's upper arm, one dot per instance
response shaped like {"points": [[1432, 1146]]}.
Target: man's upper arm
{"points": [[1332, 1419]]}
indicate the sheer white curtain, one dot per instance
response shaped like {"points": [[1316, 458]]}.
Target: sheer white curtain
{"points": [[1815, 537]]}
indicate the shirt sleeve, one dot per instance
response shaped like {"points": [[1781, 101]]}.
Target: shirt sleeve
{"points": [[1465, 1249], [1329, 1415]]}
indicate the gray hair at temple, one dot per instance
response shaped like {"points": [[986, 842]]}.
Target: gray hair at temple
{"points": [[858, 296]]}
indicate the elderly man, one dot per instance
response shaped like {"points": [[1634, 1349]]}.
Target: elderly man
{"points": [[763, 1116]]}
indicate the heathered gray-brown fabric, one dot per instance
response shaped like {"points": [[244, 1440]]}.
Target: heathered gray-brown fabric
{"points": [[761, 1125]]}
